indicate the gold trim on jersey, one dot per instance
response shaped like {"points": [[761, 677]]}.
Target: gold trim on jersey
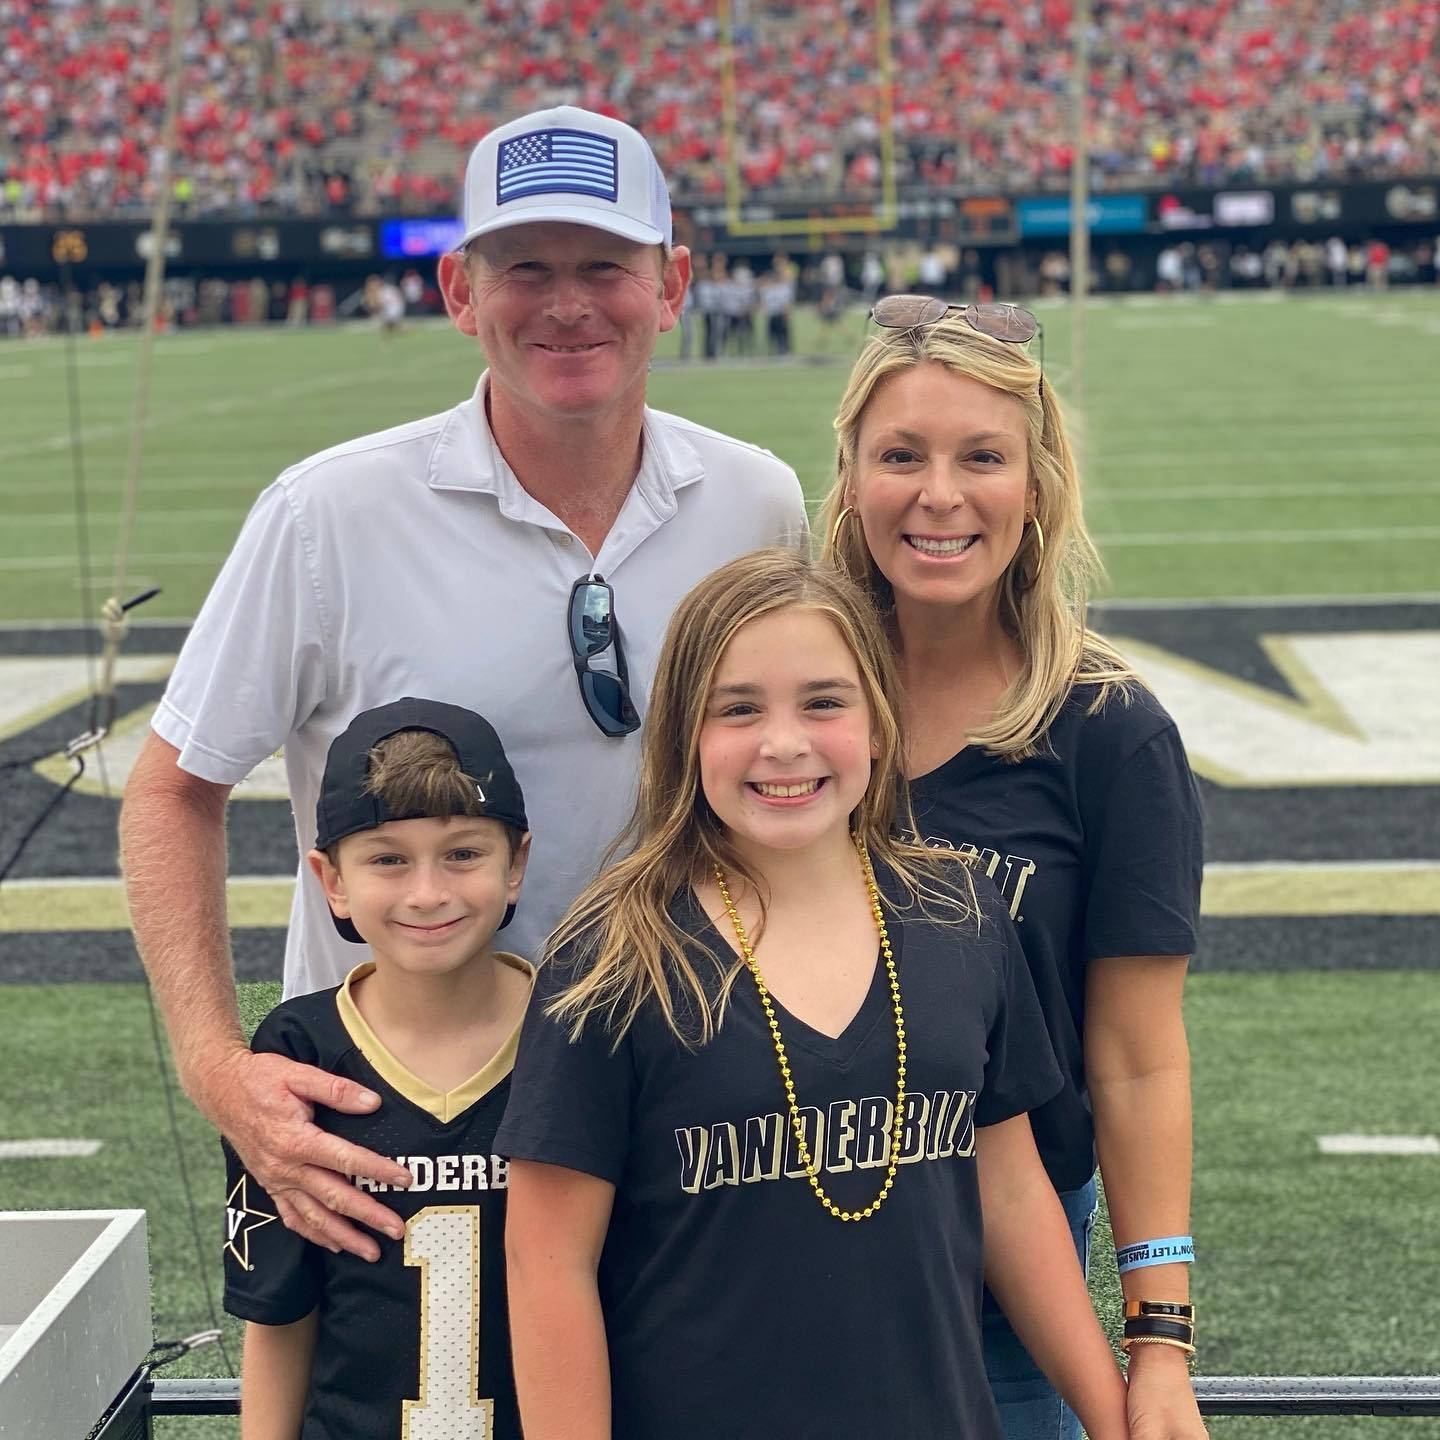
{"points": [[444, 1105]]}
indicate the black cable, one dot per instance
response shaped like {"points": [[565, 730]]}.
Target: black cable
{"points": [[167, 1352], [49, 809], [200, 1251], [34, 758]]}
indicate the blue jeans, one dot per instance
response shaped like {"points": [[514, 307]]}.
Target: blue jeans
{"points": [[1030, 1408]]}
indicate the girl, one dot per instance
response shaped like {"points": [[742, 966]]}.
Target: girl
{"points": [[956, 506], [778, 1065]]}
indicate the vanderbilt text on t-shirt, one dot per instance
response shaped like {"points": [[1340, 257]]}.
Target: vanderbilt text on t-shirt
{"points": [[846, 1135]]}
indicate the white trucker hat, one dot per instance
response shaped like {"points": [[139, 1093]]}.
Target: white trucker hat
{"points": [[571, 165]]}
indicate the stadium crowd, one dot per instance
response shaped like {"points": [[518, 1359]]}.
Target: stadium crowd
{"points": [[314, 106]]}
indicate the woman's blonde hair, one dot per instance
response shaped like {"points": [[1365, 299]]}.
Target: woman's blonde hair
{"points": [[620, 935], [1041, 596]]}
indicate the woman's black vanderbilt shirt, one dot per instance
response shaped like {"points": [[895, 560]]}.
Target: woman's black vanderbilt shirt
{"points": [[734, 1304], [1096, 846]]}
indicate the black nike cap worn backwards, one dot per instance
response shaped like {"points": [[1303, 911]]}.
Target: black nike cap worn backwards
{"points": [[346, 807]]}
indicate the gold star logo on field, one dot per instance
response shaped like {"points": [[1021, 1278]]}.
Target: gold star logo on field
{"points": [[241, 1222]]}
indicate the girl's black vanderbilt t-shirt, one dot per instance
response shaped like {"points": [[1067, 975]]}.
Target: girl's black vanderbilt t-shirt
{"points": [[734, 1304], [1096, 845]]}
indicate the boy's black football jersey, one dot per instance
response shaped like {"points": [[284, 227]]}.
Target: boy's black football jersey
{"points": [[416, 1345]]}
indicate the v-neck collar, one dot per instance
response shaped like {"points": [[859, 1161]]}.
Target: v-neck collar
{"points": [[442, 1105], [960, 766], [841, 1049]]}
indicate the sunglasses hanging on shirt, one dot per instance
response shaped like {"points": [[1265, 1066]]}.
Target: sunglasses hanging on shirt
{"points": [[595, 632]]}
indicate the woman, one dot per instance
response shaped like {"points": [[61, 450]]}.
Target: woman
{"points": [[1034, 748]]}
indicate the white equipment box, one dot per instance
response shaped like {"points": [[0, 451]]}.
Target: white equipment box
{"points": [[74, 1317]]}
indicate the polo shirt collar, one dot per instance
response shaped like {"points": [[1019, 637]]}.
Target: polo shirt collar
{"points": [[466, 457]]}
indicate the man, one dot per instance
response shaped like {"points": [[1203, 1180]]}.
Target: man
{"points": [[448, 557]]}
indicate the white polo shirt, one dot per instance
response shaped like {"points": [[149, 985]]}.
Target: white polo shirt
{"points": [[412, 562]]}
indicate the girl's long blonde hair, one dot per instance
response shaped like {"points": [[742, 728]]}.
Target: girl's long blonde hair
{"points": [[1042, 594], [620, 935]]}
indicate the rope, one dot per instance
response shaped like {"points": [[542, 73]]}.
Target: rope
{"points": [[113, 626], [77, 464]]}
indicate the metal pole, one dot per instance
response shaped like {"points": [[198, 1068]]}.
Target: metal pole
{"points": [[1079, 198], [1217, 1395]]}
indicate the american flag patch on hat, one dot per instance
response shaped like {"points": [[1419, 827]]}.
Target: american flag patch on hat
{"points": [[557, 162]]}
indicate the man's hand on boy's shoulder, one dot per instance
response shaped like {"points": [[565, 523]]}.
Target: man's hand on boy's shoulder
{"points": [[264, 1105]]}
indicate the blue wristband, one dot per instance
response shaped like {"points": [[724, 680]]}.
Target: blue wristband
{"points": [[1173, 1250]]}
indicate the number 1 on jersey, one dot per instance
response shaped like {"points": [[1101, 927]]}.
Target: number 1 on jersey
{"points": [[444, 1241]]}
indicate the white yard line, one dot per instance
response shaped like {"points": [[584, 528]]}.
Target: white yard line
{"points": [[1142, 540], [1141, 602], [1255, 602], [1299, 489], [105, 487], [1159, 539], [1165, 322], [100, 563], [273, 395], [47, 1149], [1231, 891], [1207, 458], [153, 622], [1379, 1145], [76, 882], [1342, 867], [233, 513], [1399, 533]]}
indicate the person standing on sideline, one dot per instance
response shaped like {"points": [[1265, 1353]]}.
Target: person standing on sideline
{"points": [[742, 305], [1037, 751], [932, 272], [702, 287], [1336, 259], [872, 278], [720, 292], [777, 299], [687, 322], [449, 557]]}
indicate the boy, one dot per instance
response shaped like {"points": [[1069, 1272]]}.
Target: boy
{"points": [[421, 847]]}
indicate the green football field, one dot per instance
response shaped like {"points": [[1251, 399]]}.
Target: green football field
{"points": [[1231, 449], [1234, 450]]}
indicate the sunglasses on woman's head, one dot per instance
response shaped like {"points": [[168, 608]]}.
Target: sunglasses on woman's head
{"points": [[1013, 324]]}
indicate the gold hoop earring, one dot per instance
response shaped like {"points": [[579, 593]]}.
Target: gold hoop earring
{"points": [[1039, 535], [840, 520]]}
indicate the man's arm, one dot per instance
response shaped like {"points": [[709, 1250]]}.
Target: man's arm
{"points": [[172, 846], [276, 1378], [1032, 1270]]}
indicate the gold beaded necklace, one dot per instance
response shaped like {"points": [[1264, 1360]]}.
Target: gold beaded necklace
{"points": [[807, 1160]]}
